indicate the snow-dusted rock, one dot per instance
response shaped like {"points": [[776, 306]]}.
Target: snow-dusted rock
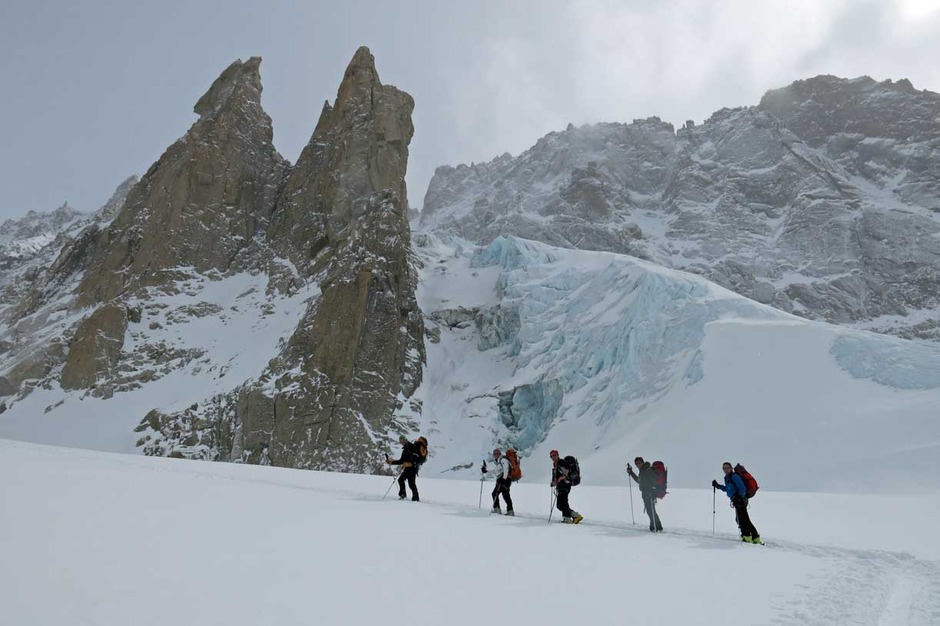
{"points": [[821, 201]]}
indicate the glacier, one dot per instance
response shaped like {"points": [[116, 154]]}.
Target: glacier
{"points": [[606, 356]]}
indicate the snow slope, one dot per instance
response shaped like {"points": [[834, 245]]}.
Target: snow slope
{"points": [[604, 356], [207, 338], [104, 539]]}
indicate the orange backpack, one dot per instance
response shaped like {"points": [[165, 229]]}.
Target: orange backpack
{"points": [[515, 470]]}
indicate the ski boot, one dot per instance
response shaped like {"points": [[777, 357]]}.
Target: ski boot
{"points": [[510, 514], [577, 517]]}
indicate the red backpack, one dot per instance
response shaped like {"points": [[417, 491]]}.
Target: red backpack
{"points": [[750, 483], [515, 470], [659, 476]]}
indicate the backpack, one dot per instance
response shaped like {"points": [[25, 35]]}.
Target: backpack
{"points": [[421, 444], [515, 470], [750, 483], [659, 479], [574, 471]]}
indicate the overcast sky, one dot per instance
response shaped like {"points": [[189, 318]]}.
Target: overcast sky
{"points": [[93, 91]]}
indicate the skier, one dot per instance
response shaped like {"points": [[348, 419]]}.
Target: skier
{"points": [[647, 482], [737, 493], [503, 481], [409, 460], [561, 480]]}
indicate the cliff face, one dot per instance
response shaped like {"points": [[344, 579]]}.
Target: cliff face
{"points": [[821, 201], [201, 203], [334, 392], [358, 351], [312, 262]]}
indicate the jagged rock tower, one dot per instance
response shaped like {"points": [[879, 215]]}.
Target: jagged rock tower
{"points": [[332, 397], [196, 209], [202, 202], [342, 219]]}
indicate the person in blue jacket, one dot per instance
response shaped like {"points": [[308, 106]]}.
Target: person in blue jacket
{"points": [[737, 493]]}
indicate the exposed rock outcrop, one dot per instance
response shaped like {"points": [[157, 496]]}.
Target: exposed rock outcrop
{"points": [[116, 201], [95, 348], [334, 393], [342, 218], [202, 202]]}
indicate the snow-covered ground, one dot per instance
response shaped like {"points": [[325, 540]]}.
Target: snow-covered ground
{"points": [[107, 539]]}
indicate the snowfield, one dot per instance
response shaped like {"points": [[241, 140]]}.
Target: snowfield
{"points": [[107, 539]]}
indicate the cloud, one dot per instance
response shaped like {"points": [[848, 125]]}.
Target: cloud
{"points": [[616, 60], [487, 78]]}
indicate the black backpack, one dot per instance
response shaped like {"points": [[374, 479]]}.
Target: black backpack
{"points": [[574, 470], [421, 451]]}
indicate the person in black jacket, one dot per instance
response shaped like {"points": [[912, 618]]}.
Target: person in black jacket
{"points": [[647, 482], [562, 485], [410, 457]]}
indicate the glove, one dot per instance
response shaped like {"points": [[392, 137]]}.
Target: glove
{"points": [[388, 461], [483, 468], [715, 484]]}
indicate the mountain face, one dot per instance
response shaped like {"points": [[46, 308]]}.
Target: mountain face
{"points": [[34, 253], [215, 188], [231, 306], [309, 265], [358, 351], [821, 201]]}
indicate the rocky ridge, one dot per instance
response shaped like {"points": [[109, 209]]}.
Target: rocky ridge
{"points": [[326, 241], [821, 201]]}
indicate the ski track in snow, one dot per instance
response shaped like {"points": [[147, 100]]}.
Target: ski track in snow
{"points": [[95, 506], [859, 587]]}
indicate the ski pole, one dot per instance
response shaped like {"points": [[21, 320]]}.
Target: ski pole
{"points": [[482, 478], [552, 507], [713, 508], [394, 480], [632, 518]]}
